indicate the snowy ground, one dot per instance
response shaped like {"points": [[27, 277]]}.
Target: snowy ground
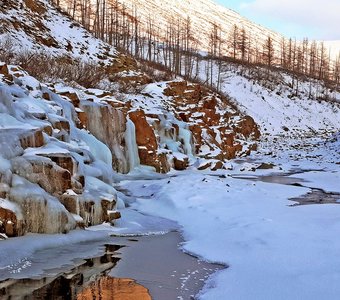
{"points": [[273, 250]]}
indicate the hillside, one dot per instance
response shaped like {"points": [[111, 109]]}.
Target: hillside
{"points": [[136, 123], [151, 164], [281, 103], [202, 15], [73, 140], [28, 25]]}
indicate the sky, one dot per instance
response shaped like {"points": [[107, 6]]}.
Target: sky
{"points": [[315, 19]]}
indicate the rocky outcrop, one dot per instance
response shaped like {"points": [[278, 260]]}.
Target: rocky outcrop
{"points": [[58, 155], [218, 128], [147, 143], [44, 172], [206, 124], [108, 125], [50, 181]]}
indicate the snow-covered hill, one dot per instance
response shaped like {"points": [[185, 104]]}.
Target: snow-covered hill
{"points": [[203, 14], [85, 134], [277, 108], [27, 25]]}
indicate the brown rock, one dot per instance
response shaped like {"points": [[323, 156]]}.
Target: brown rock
{"points": [[71, 203], [108, 125], [48, 130], [218, 166], [147, 143], [181, 164], [106, 206], [10, 229], [4, 70], [8, 222], [63, 160], [114, 215], [46, 96], [52, 178], [144, 133], [71, 96], [265, 166], [77, 187], [32, 139], [204, 166], [248, 127], [82, 116], [62, 125], [35, 6]]}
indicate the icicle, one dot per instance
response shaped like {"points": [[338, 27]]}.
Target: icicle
{"points": [[131, 145], [186, 136], [97, 148]]}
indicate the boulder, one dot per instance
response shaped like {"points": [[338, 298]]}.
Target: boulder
{"points": [[265, 166], [181, 162], [114, 215]]}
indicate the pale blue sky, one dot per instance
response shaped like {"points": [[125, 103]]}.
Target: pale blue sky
{"points": [[316, 19]]}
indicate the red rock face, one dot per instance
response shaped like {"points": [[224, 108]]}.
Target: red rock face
{"points": [[108, 125], [147, 143], [212, 121], [248, 128]]}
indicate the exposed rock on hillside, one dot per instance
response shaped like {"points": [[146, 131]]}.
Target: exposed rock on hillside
{"points": [[50, 179], [192, 120], [60, 145], [58, 152]]}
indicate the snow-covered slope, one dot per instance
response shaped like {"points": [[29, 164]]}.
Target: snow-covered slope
{"points": [[280, 103], [60, 146], [202, 13], [27, 25], [279, 111]]}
